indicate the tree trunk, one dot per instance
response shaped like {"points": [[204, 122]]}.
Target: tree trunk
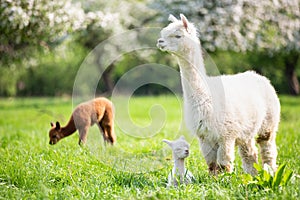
{"points": [[291, 74], [107, 79]]}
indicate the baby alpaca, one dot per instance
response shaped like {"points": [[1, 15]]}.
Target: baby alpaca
{"points": [[180, 149], [99, 110]]}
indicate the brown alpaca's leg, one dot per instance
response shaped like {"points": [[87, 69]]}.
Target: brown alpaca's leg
{"points": [[83, 135], [108, 133], [107, 126]]}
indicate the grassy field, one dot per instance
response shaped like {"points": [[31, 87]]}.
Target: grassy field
{"points": [[136, 168]]}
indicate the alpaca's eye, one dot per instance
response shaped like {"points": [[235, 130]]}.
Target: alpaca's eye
{"points": [[178, 36]]}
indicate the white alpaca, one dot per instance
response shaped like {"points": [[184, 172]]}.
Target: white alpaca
{"points": [[223, 111], [180, 149]]}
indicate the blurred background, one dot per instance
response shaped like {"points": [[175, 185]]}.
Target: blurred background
{"points": [[43, 43]]}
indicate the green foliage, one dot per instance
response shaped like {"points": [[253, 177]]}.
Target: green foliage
{"points": [[8, 80], [267, 179], [32, 29], [271, 66], [53, 73], [32, 169]]}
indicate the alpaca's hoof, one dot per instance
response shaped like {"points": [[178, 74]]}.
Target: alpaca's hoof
{"points": [[214, 169], [224, 168]]}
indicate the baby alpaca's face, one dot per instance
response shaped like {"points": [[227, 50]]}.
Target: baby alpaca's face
{"points": [[181, 149]]}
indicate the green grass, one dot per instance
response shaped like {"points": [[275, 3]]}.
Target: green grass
{"points": [[136, 168]]}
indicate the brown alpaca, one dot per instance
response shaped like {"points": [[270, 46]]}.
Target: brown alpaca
{"points": [[99, 110]]}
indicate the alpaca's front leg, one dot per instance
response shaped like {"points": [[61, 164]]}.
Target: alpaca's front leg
{"points": [[225, 155], [209, 151], [83, 135]]}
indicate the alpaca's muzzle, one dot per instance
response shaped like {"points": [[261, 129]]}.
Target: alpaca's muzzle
{"points": [[160, 44]]}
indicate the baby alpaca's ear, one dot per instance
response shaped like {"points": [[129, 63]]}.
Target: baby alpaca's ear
{"points": [[182, 137], [168, 142]]}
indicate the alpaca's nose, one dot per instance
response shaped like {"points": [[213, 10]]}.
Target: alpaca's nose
{"points": [[187, 151], [161, 43], [160, 40]]}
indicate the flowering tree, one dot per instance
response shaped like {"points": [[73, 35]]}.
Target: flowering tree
{"points": [[30, 26], [270, 26], [38, 22]]}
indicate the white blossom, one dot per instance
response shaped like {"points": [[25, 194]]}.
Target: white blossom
{"points": [[50, 19], [241, 24]]}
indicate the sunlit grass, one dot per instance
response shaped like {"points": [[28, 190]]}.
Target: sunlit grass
{"points": [[136, 168]]}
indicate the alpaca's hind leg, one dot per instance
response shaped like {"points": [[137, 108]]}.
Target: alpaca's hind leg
{"points": [[83, 135], [108, 133], [209, 151], [225, 155], [248, 152], [107, 126], [268, 149]]}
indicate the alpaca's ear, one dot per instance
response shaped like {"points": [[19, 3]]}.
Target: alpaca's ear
{"points": [[57, 126], [184, 21], [168, 142], [172, 18], [51, 123], [182, 137]]}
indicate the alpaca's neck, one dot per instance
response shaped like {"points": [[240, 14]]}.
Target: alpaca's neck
{"points": [[196, 93], [192, 55], [192, 70], [192, 58], [69, 128], [179, 168]]}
